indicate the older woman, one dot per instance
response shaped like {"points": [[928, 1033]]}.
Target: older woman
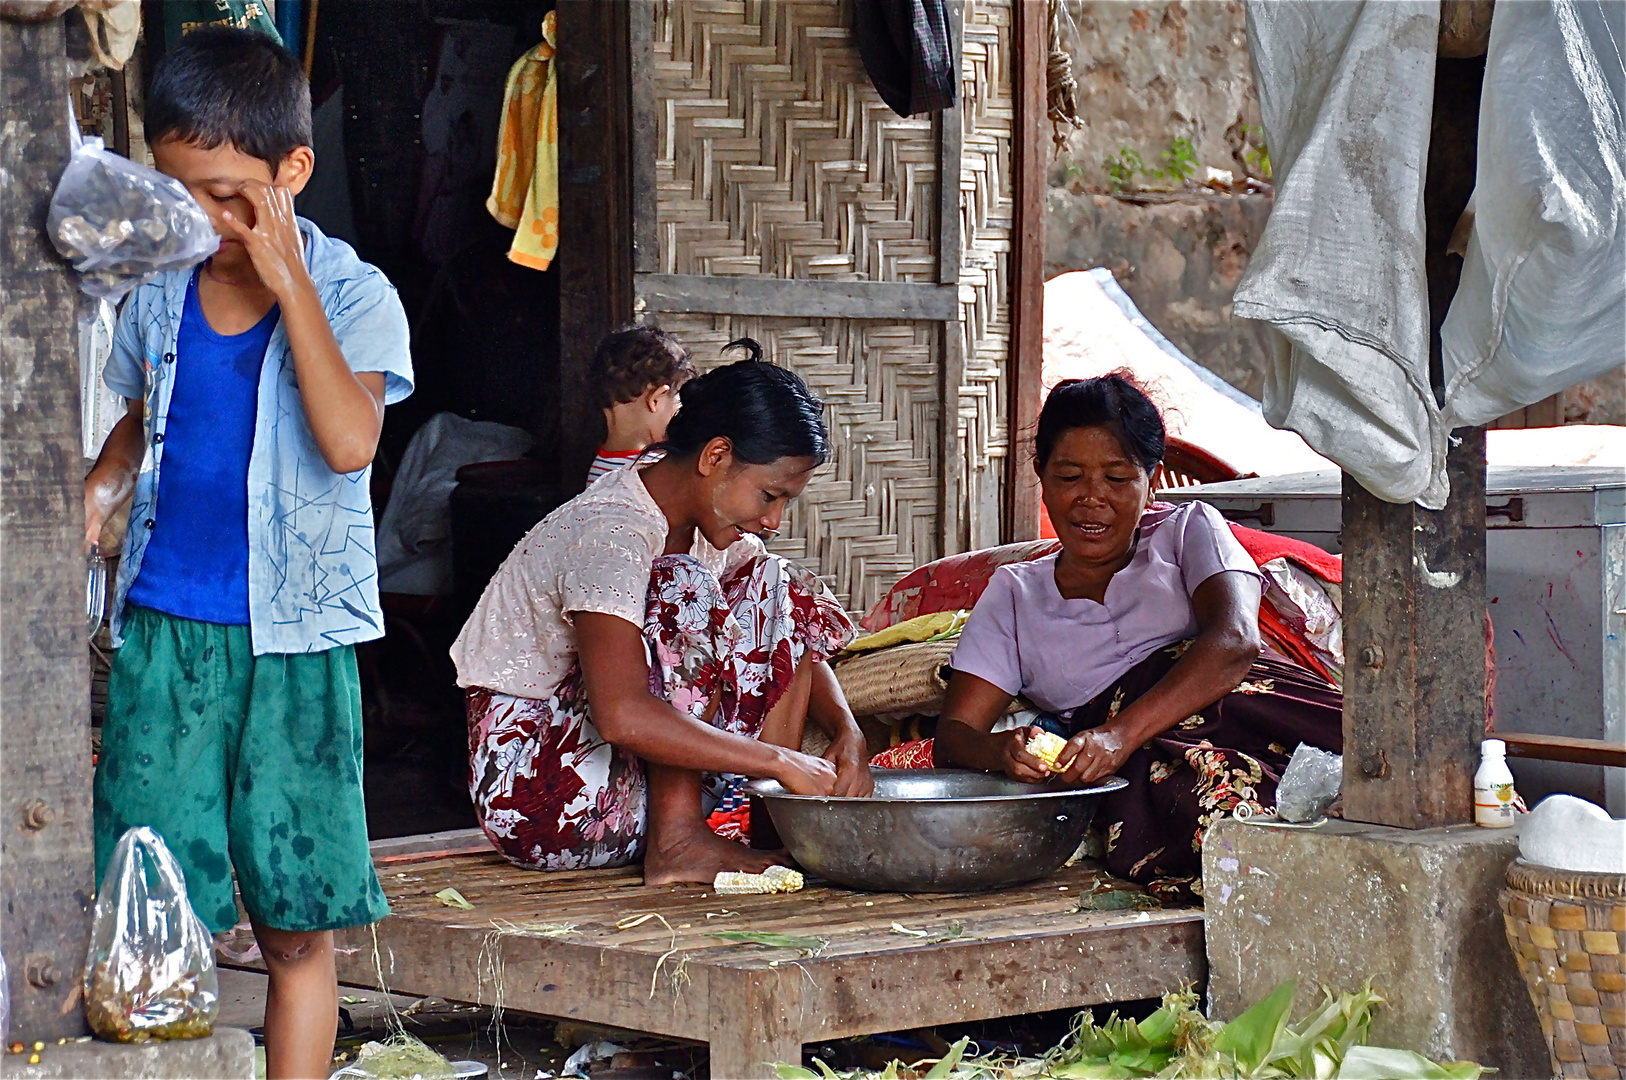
{"points": [[1140, 640]]}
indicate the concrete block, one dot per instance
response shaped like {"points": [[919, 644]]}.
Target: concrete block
{"points": [[1415, 911], [228, 1054]]}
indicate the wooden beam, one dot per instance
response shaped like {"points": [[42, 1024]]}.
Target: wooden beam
{"points": [[1414, 632], [45, 814], [646, 247], [595, 210], [1025, 364], [795, 297], [1563, 748], [953, 513]]}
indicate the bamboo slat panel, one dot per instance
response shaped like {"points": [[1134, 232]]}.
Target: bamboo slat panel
{"points": [[987, 108], [870, 515], [776, 155]]}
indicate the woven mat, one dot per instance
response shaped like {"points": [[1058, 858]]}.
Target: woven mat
{"points": [[900, 679]]}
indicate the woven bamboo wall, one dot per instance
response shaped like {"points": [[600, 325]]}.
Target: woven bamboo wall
{"points": [[987, 110], [775, 158]]}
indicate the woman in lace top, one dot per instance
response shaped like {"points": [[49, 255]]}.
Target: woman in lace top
{"points": [[640, 648]]}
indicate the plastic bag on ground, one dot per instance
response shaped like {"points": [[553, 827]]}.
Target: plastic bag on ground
{"points": [[150, 973], [1309, 784], [400, 1057], [5, 1003], [120, 222]]}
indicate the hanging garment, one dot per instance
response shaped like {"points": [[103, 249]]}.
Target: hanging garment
{"points": [[1346, 94], [1542, 301], [525, 192], [181, 17], [908, 50]]}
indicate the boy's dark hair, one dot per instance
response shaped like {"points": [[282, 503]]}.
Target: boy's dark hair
{"points": [[767, 412], [225, 86], [1113, 402], [639, 358]]}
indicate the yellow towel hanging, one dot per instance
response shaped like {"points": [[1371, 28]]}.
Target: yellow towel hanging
{"points": [[525, 192]]}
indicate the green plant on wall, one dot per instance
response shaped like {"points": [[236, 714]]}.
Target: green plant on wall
{"points": [[1122, 167], [1179, 161], [1255, 155]]}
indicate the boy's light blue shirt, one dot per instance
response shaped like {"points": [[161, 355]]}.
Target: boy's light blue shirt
{"points": [[312, 570]]}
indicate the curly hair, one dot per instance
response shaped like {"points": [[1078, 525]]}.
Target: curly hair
{"points": [[635, 359]]}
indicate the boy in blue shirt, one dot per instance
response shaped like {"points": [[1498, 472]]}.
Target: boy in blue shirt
{"points": [[256, 386]]}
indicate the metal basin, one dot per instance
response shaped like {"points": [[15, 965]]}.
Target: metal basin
{"points": [[934, 830]]}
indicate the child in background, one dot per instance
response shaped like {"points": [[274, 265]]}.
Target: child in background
{"points": [[636, 375], [256, 385]]}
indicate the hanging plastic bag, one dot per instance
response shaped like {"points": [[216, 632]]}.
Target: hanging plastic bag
{"points": [[120, 222], [151, 969]]}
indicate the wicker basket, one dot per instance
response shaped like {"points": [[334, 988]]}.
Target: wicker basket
{"points": [[1568, 933], [901, 679]]}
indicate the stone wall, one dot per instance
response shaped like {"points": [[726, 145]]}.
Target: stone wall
{"points": [[1149, 73]]}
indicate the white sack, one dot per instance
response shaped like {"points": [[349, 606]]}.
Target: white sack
{"points": [[415, 531], [1346, 93], [1542, 301]]}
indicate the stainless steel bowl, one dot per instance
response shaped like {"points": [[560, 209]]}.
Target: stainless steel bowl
{"points": [[934, 830]]}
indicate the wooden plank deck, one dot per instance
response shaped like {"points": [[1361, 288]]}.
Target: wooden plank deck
{"points": [[643, 958]]}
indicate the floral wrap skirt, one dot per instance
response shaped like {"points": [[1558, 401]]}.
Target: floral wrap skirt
{"points": [[551, 794]]}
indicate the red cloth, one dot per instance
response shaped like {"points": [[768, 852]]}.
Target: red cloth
{"points": [[916, 754], [1263, 547], [732, 824], [949, 584]]}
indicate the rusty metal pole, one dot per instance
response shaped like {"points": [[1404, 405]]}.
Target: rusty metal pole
{"points": [[45, 824]]}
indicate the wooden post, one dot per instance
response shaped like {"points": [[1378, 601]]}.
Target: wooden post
{"points": [[1026, 361], [45, 825], [1414, 579], [595, 209], [756, 1018]]}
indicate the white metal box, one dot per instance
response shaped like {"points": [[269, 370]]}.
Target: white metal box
{"points": [[1555, 581]]}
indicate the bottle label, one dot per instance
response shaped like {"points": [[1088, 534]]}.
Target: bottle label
{"points": [[1493, 805]]}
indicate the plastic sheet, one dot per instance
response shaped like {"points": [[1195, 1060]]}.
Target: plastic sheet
{"points": [[150, 973], [1309, 784], [120, 222]]}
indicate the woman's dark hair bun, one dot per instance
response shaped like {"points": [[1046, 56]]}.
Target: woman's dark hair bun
{"points": [[1113, 402], [765, 411]]}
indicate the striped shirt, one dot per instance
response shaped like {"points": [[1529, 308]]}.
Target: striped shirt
{"points": [[607, 462]]}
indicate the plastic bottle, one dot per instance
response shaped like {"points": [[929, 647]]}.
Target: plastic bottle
{"points": [[1493, 787]]}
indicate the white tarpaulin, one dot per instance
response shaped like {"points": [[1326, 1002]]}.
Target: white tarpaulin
{"points": [[1542, 301], [1346, 95]]}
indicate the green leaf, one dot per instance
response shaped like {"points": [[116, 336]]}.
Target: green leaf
{"points": [[1379, 1063], [1251, 1038], [1091, 1070], [828, 1073], [454, 899], [950, 1062], [773, 941], [793, 1072], [1158, 1029]]}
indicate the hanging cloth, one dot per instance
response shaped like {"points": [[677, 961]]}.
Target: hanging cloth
{"points": [[181, 17], [908, 50], [525, 192]]}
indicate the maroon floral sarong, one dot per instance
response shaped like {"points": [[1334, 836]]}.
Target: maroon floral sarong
{"points": [[1231, 753], [551, 794]]}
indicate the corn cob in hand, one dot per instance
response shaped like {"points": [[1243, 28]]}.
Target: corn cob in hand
{"points": [[1046, 747]]}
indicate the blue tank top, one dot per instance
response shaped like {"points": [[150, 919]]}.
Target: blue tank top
{"points": [[196, 564]]}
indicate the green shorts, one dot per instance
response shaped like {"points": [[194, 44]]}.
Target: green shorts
{"points": [[251, 759]]}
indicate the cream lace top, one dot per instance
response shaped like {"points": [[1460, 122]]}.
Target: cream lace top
{"points": [[594, 553]]}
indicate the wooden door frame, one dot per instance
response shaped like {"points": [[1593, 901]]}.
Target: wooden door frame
{"points": [[595, 208], [1024, 379]]}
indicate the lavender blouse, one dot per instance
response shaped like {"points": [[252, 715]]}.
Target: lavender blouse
{"points": [[1025, 638]]}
